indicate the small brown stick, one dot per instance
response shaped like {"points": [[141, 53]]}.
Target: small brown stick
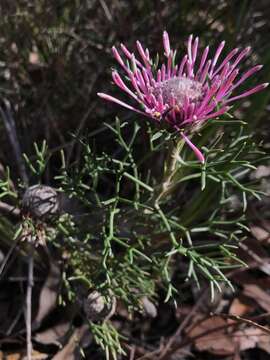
{"points": [[184, 323], [15, 321], [188, 341], [9, 209], [240, 319], [67, 352], [132, 352], [252, 254], [150, 355], [106, 11], [30, 284], [10, 127], [5, 261]]}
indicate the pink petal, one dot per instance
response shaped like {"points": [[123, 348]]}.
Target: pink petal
{"points": [[195, 50], [166, 44], [203, 59], [163, 72], [119, 102], [190, 69], [226, 60], [129, 54], [189, 47], [247, 74], [143, 54], [218, 52], [242, 54], [249, 92], [169, 66], [182, 65], [135, 85], [205, 71], [140, 82], [216, 113], [118, 57], [208, 97], [196, 151], [119, 82], [224, 88], [158, 75]]}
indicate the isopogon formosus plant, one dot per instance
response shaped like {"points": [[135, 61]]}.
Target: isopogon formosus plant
{"points": [[152, 217], [187, 94]]}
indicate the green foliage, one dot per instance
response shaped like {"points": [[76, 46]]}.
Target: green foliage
{"points": [[127, 244], [38, 165], [6, 190], [108, 338]]}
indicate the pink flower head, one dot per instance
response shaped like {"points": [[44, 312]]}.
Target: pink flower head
{"points": [[183, 95]]}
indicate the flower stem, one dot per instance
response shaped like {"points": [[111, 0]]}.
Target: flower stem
{"points": [[165, 186]]}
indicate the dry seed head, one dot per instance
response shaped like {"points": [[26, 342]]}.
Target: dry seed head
{"points": [[96, 308], [40, 202]]}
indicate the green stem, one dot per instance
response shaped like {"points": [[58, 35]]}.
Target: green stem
{"points": [[166, 184]]}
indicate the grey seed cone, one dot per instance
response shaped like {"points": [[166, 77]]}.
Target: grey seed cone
{"points": [[96, 308], [40, 202]]}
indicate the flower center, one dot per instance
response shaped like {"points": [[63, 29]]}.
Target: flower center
{"points": [[178, 88]]}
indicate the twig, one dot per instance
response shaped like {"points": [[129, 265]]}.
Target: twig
{"points": [[132, 353], [30, 284], [9, 209], [240, 319], [10, 126], [253, 255], [73, 343], [106, 10], [14, 322], [237, 321], [176, 335], [5, 261], [150, 355], [191, 340]]}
